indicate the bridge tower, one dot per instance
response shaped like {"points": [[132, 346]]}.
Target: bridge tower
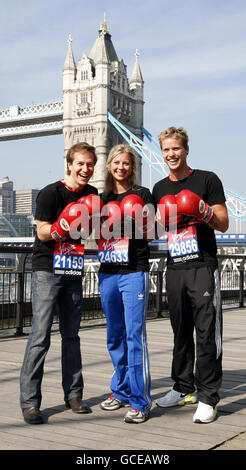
{"points": [[96, 85]]}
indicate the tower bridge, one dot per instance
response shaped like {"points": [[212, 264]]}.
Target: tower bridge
{"points": [[102, 106], [94, 85], [35, 120]]}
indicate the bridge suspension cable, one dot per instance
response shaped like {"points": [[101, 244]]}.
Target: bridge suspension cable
{"points": [[151, 153]]}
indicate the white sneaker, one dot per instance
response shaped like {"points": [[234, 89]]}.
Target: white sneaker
{"points": [[112, 403], [135, 416], [205, 413], [173, 398]]}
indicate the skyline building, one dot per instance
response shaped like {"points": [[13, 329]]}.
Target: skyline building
{"points": [[19, 201], [6, 196], [25, 201], [17, 210]]}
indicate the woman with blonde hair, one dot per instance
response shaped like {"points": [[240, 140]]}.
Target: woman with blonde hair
{"points": [[109, 180], [123, 284]]}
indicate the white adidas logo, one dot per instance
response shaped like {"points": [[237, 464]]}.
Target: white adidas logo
{"points": [[140, 296], [206, 294]]}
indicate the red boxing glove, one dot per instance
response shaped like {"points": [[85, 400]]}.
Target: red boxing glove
{"points": [[93, 202], [166, 216], [133, 208], [190, 203], [71, 215], [111, 227], [94, 205]]}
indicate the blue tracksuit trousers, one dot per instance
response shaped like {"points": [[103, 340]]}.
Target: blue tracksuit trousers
{"points": [[124, 299]]}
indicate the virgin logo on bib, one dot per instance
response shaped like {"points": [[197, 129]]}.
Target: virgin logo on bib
{"points": [[183, 245], [113, 251], [68, 259]]}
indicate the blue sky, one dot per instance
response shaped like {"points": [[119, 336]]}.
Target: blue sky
{"points": [[193, 61]]}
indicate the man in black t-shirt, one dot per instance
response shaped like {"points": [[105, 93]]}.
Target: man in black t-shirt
{"points": [[57, 264], [191, 205]]}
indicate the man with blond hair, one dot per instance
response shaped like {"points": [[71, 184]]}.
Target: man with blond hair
{"points": [[191, 205]]}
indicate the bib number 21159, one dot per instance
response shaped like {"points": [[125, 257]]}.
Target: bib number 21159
{"points": [[68, 259]]}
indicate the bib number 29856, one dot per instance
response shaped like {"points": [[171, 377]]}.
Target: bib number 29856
{"points": [[185, 247]]}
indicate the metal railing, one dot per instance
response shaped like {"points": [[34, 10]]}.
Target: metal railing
{"points": [[15, 289]]}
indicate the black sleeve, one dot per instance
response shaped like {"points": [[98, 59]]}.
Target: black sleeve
{"points": [[215, 193], [46, 206], [154, 195], [147, 197], [160, 189]]}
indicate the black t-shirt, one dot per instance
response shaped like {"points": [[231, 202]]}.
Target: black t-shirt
{"points": [[138, 248], [209, 187], [51, 200]]}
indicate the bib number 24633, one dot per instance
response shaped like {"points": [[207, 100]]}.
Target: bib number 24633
{"points": [[113, 251]]}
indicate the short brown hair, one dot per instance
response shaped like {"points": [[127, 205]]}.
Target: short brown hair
{"points": [[176, 133], [80, 147]]}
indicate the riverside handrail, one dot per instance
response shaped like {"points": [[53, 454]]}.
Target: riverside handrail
{"points": [[231, 267]]}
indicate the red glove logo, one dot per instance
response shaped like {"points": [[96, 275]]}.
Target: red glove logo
{"points": [[201, 206], [64, 225]]}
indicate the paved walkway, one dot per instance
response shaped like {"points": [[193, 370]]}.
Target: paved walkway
{"points": [[168, 429]]}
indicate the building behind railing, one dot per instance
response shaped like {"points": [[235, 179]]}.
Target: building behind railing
{"points": [[15, 287]]}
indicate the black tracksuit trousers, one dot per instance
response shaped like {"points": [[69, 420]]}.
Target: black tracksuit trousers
{"points": [[194, 301]]}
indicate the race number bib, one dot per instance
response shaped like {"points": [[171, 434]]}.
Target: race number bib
{"points": [[68, 259], [183, 245], [113, 251]]}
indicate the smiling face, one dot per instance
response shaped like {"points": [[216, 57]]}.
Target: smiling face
{"points": [[175, 155], [121, 168], [80, 169]]}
